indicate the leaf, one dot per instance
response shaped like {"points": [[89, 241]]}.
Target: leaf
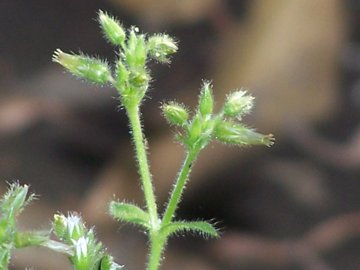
{"points": [[129, 213], [202, 227]]}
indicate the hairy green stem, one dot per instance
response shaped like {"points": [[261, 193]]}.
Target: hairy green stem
{"points": [[179, 186], [138, 137], [157, 245]]}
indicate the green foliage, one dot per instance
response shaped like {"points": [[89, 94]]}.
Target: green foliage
{"points": [[84, 251], [129, 213], [202, 227], [12, 204], [131, 77]]}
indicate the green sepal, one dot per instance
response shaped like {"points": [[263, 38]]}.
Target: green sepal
{"points": [[204, 228], [122, 76], [107, 263], [129, 213], [25, 239], [234, 133]]}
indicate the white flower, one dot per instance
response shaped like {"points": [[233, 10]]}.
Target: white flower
{"points": [[74, 224], [81, 247]]}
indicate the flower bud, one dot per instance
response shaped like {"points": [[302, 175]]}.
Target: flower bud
{"points": [[136, 51], [60, 226], [206, 99], [175, 114], [112, 29], [15, 200], [238, 103], [233, 133], [161, 47], [89, 68], [68, 228]]}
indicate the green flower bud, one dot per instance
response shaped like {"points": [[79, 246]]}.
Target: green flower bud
{"points": [[206, 99], [89, 68], [68, 228], [233, 133], [136, 50], [161, 46], [139, 79], [238, 103], [60, 226], [175, 114], [112, 29]]}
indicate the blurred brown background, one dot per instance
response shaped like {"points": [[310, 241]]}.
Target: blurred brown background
{"points": [[293, 206]]}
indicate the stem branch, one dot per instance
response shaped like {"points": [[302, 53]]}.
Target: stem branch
{"points": [[179, 186]]}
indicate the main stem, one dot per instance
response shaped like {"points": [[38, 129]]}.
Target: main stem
{"points": [[179, 186], [144, 171]]}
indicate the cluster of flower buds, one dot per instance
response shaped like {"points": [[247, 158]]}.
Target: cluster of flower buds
{"points": [[130, 76], [86, 253], [11, 205], [224, 126]]}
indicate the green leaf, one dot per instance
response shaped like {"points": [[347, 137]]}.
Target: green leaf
{"points": [[202, 227], [129, 213]]}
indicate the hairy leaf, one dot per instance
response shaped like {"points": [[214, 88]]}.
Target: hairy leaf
{"points": [[202, 227], [129, 213]]}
